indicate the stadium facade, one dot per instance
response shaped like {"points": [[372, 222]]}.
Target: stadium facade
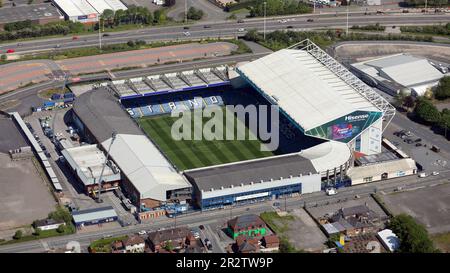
{"points": [[327, 114]]}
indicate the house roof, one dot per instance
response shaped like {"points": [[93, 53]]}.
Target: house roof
{"points": [[245, 221], [350, 211], [133, 240], [161, 236], [271, 239], [247, 246]]}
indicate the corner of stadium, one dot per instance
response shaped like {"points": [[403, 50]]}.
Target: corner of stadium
{"points": [[326, 116]]}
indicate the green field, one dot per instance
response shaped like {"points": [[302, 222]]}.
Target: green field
{"points": [[190, 154]]}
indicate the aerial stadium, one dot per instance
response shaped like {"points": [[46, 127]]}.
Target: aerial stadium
{"points": [[326, 114]]}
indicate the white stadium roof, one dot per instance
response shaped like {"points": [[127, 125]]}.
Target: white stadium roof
{"points": [[146, 168], [404, 69], [307, 90], [327, 155]]}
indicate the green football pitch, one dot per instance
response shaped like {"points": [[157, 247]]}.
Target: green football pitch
{"points": [[190, 154]]}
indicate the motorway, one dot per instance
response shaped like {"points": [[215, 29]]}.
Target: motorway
{"points": [[197, 218], [225, 29]]}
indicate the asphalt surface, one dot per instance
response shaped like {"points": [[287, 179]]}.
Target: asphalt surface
{"points": [[224, 29], [197, 218]]}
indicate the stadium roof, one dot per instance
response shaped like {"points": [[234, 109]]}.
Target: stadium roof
{"points": [[403, 69], [102, 114], [250, 171], [309, 92], [327, 155], [145, 167], [137, 157]]}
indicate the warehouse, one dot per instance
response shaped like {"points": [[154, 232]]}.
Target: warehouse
{"points": [[395, 73], [87, 11], [37, 14], [87, 162], [254, 180], [95, 216], [382, 171]]}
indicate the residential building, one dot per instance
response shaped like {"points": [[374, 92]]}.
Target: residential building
{"points": [[270, 243], [134, 244], [48, 224], [247, 225], [159, 241], [246, 245]]}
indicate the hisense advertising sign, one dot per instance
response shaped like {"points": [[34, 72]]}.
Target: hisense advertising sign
{"points": [[345, 128]]}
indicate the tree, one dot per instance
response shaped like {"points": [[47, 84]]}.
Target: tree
{"points": [[413, 236], [409, 102], [442, 91], [37, 231], [195, 14], [444, 122], [252, 35], [108, 17], [426, 111], [18, 235], [60, 229], [169, 246], [3, 57], [130, 43], [61, 214]]}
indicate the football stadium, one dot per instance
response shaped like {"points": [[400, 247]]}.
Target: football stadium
{"points": [[326, 114]]}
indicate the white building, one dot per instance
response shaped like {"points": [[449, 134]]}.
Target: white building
{"points": [[86, 11], [389, 240], [400, 71], [381, 171], [134, 244], [321, 96], [48, 224]]}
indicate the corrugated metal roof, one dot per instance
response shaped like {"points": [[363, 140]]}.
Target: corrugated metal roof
{"points": [[304, 88], [144, 165], [101, 5], [389, 239], [75, 7], [93, 214]]}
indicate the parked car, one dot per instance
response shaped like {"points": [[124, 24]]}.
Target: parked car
{"points": [[240, 21], [418, 144], [206, 26], [422, 175], [241, 29], [105, 35], [331, 191], [10, 51], [310, 20], [75, 38], [435, 173], [142, 232], [187, 33], [418, 140], [289, 27]]}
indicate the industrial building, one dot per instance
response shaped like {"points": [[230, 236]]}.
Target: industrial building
{"points": [[400, 72], [147, 176], [253, 180], [38, 14], [86, 11], [87, 162], [94, 216]]}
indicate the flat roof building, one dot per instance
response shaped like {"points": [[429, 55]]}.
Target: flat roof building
{"points": [[94, 216], [396, 72], [37, 14], [87, 162]]}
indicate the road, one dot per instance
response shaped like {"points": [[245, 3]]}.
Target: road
{"points": [[223, 29], [197, 218]]}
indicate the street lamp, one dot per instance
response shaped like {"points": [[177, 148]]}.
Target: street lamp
{"points": [[99, 199], [265, 12], [348, 3]]}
